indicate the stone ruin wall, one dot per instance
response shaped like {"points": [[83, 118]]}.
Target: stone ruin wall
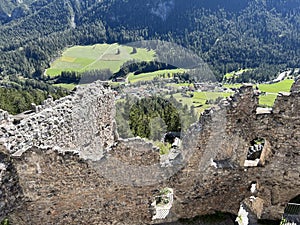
{"points": [[277, 181], [85, 118], [61, 187], [136, 152]]}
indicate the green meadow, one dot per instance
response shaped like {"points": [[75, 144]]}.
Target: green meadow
{"points": [[66, 86], [282, 86], [199, 99], [150, 76], [272, 90], [232, 85], [235, 73], [97, 57]]}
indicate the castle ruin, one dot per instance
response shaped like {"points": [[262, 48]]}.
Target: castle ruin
{"points": [[63, 163]]}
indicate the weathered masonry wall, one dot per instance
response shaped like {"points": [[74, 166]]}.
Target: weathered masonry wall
{"points": [[82, 119], [52, 186], [135, 151], [223, 187], [10, 190]]}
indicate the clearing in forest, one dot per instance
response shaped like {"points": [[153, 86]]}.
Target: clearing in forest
{"points": [[97, 57]]}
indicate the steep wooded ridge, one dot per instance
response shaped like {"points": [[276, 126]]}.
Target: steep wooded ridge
{"points": [[229, 35], [233, 33]]}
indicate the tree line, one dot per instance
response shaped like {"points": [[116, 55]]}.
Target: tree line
{"points": [[152, 117]]}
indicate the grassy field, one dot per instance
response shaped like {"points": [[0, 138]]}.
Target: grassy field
{"points": [[150, 76], [199, 99], [66, 86], [235, 73], [99, 56], [232, 85], [282, 86], [181, 85], [267, 100], [272, 91], [210, 95]]}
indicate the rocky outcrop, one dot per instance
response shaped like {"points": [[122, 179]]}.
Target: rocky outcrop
{"points": [[72, 182]]}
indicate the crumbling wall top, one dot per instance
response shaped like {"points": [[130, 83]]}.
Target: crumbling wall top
{"points": [[82, 122]]}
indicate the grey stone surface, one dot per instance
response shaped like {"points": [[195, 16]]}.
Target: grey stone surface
{"points": [[82, 122]]}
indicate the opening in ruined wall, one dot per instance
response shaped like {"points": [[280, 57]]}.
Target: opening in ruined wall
{"points": [[257, 152], [253, 187], [296, 200], [291, 214], [153, 118], [163, 203]]}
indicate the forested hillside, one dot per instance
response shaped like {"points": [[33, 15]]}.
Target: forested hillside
{"points": [[227, 34]]}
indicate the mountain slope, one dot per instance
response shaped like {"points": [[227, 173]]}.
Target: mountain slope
{"points": [[228, 34]]}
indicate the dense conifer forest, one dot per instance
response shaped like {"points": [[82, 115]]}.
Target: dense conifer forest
{"points": [[229, 35]]}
